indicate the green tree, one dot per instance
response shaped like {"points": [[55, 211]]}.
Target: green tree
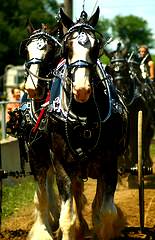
{"points": [[103, 25], [132, 30], [13, 18]]}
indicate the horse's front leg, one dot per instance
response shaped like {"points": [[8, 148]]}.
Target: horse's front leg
{"points": [[80, 199], [44, 221], [107, 218], [39, 230], [68, 215]]}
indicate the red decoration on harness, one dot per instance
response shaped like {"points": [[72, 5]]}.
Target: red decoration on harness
{"points": [[41, 114]]}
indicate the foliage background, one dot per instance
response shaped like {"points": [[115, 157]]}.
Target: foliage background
{"points": [[13, 18], [15, 13]]}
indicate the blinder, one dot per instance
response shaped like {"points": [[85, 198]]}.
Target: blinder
{"points": [[36, 34], [83, 28]]}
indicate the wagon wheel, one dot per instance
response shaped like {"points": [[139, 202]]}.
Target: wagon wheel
{"points": [[140, 171]]}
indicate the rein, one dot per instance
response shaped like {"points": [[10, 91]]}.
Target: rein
{"points": [[34, 75]]}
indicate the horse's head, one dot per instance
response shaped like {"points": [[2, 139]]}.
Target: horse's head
{"points": [[118, 67], [81, 47], [40, 51], [125, 71]]}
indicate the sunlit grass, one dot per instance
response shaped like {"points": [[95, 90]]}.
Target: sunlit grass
{"points": [[152, 150], [17, 194]]}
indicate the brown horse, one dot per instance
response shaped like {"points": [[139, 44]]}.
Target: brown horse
{"points": [[87, 121], [41, 51]]}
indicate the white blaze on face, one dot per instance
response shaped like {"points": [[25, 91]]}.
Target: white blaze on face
{"points": [[36, 50], [81, 48]]}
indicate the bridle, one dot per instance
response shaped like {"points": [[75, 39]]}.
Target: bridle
{"points": [[82, 28], [36, 76], [40, 34], [84, 31], [120, 67]]}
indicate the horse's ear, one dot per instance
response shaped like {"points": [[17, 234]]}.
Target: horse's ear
{"points": [[45, 27], [29, 27], [94, 18], [67, 22]]}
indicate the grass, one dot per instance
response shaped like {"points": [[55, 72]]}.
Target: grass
{"points": [[152, 150], [16, 195]]}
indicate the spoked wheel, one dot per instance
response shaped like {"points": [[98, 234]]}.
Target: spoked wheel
{"points": [[140, 171]]}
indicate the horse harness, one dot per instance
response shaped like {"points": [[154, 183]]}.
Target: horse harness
{"points": [[79, 129]]}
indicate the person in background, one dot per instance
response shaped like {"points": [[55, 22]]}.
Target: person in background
{"points": [[15, 102], [147, 67], [146, 63]]}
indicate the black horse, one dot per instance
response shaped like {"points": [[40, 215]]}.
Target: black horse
{"points": [[136, 94], [88, 122]]}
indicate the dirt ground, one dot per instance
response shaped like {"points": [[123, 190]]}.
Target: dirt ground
{"points": [[17, 226]]}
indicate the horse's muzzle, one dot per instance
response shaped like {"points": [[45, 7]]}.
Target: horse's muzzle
{"points": [[81, 95]]}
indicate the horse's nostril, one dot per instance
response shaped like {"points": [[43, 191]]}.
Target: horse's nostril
{"points": [[89, 91]]}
